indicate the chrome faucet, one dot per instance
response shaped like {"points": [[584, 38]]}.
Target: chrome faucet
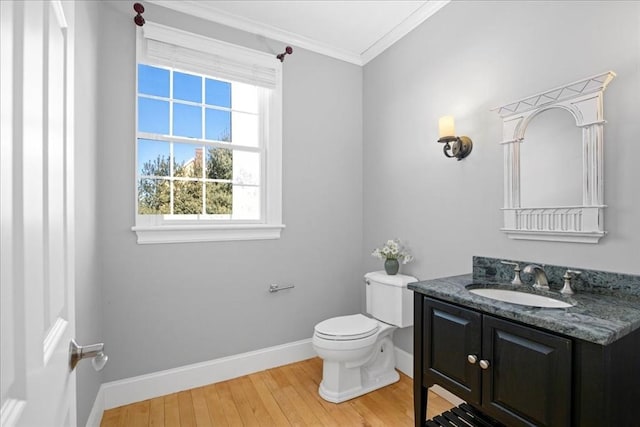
{"points": [[540, 276]]}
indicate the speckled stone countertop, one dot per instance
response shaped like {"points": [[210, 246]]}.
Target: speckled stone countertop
{"points": [[596, 318]]}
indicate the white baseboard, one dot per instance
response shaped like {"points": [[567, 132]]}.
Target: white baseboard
{"points": [[95, 416], [143, 387], [446, 395], [404, 363]]}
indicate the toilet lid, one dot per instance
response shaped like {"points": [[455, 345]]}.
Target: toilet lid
{"points": [[351, 327]]}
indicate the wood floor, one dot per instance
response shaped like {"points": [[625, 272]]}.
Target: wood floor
{"points": [[284, 396]]}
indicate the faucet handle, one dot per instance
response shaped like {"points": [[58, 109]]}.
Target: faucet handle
{"points": [[568, 276], [516, 279]]}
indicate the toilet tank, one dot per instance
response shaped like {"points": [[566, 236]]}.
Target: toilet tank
{"points": [[389, 299]]}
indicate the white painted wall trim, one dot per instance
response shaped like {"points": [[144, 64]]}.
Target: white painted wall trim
{"points": [[95, 416], [404, 363], [418, 17], [446, 395], [208, 11], [143, 387]]}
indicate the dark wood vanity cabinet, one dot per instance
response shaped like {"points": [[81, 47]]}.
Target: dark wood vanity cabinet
{"points": [[528, 381], [518, 375]]}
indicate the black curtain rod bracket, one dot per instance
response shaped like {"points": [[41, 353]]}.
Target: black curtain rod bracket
{"points": [[138, 19], [287, 51]]}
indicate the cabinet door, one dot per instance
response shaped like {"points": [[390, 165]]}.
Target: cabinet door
{"points": [[451, 334], [528, 381]]}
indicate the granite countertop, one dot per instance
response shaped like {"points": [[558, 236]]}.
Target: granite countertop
{"points": [[596, 318]]}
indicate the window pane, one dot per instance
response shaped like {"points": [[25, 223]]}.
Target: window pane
{"points": [[217, 93], [246, 168], [154, 196], [219, 198], [153, 116], [187, 121], [244, 129], [219, 163], [246, 202], [187, 197], [187, 87], [153, 158], [153, 81], [187, 160], [245, 97], [217, 125]]}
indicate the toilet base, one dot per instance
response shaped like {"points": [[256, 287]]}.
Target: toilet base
{"points": [[345, 380], [366, 387]]}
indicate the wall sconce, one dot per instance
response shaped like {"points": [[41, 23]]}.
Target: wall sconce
{"points": [[461, 146]]}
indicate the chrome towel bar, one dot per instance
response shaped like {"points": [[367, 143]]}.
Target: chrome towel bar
{"points": [[276, 288]]}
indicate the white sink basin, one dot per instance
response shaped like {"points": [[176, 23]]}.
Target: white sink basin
{"points": [[521, 298]]}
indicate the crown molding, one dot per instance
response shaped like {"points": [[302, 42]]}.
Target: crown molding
{"points": [[208, 11], [405, 27]]}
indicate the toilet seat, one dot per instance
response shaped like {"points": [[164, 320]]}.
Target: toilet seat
{"points": [[347, 328]]}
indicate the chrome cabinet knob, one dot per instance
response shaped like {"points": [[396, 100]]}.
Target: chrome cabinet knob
{"points": [[472, 358], [484, 364]]}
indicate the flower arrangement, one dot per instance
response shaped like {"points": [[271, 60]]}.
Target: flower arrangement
{"points": [[393, 249]]}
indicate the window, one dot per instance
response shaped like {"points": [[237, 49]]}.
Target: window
{"points": [[208, 144]]}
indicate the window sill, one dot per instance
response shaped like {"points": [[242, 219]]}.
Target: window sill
{"points": [[148, 235]]}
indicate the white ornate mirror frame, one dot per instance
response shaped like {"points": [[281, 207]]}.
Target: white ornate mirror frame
{"points": [[583, 224]]}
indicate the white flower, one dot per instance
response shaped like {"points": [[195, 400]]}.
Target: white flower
{"points": [[393, 249]]}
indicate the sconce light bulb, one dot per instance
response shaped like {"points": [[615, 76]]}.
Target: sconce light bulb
{"points": [[446, 126]]}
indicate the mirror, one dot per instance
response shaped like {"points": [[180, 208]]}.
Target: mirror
{"points": [[553, 157], [551, 161]]}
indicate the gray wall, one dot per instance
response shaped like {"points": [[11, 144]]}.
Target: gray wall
{"points": [[165, 306], [466, 59], [87, 296], [170, 305]]}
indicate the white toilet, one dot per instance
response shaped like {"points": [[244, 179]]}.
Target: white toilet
{"points": [[357, 350]]}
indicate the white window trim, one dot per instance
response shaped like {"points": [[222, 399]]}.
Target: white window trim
{"points": [[153, 229], [206, 233]]}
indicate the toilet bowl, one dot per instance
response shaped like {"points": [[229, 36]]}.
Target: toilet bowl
{"points": [[357, 351], [357, 362]]}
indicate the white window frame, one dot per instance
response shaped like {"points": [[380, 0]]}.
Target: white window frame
{"points": [[203, 55]]}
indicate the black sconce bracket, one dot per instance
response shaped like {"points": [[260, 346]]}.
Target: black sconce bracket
{"points": [[460, 148]]}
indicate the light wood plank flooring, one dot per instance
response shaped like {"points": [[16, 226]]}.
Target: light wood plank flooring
{"points": [[284, 396]]}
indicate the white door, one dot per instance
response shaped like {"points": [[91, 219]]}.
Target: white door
{"points": [[36, 207]]}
